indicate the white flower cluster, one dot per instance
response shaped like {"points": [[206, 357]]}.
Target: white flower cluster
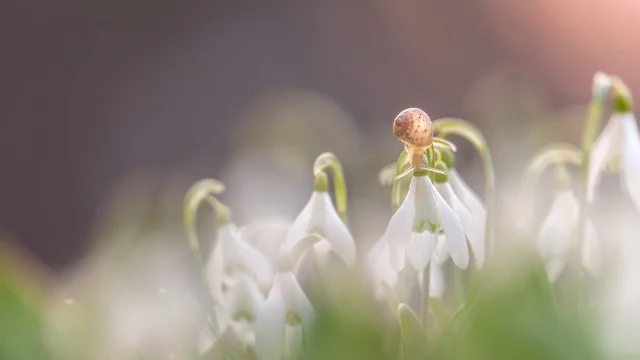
{"points": [[258, 300]]}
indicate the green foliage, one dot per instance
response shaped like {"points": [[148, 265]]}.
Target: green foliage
{"points": [[21, 312]]}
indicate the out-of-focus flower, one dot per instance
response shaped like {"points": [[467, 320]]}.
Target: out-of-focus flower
{"points": [[231, 257], [320, 217], [284, 315], [126, 304], [558, 231], [390, 284], [424, 212], [618, 148]]}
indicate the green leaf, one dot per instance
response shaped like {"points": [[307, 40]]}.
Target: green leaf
{"points": [[413, 335], [21, 310]]}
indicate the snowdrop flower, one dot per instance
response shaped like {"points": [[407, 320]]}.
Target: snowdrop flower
{"points": [[464, 193], [424, 212], [321, 218], [232, 257], [284, 318], [235, 314], [473, 224], [618, 148], [558, 231]]}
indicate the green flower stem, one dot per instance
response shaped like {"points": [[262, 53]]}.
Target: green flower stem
{"points": [[602, 86], [454, 126], [431, 160], [444, 143], [330, 161], [397, 189], [203, 191]]}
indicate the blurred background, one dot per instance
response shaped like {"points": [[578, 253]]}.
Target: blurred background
{"points": [[98, 95]]}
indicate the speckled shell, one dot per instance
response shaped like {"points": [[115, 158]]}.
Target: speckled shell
{"points": [[413, 126]]}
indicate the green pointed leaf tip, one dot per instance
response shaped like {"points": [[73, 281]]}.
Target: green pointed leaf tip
{"points": [[622, 98], [412, 332]]}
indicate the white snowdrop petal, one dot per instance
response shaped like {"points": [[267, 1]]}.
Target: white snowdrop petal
{"points": [[337, 233], [266, 235], [559, 225], [631, 158], [322, 251], [246, 297], [270, 326], [420, 249], [383, 272], [236, 252], [258, 263], [601, 152], [214, 269], [376, 250], [399, 229], [473, 227], [453, 232], [425, 201], [295, 299], [436, 285], [228, 237], [591, 251], [441, 253], [468, 197], [301, 225]]}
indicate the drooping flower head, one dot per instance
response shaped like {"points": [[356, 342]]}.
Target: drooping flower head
{"points": [[471, 212], [319, 216], [557, 235], [424, 212], [617, 148]]}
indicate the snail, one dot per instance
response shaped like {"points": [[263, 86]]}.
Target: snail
{"points": [[414, 128]]}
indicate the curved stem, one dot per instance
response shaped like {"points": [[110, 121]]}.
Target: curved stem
{"points": [[444, 143], [330, 161], [201, 192], [290, 259], [397, 189], [454, 126]]}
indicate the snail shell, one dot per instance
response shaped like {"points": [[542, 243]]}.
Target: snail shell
{"points": [[413, 127]]}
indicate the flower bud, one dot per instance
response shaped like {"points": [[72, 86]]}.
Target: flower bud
{"points": [[448, 158], [440, 178]]}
